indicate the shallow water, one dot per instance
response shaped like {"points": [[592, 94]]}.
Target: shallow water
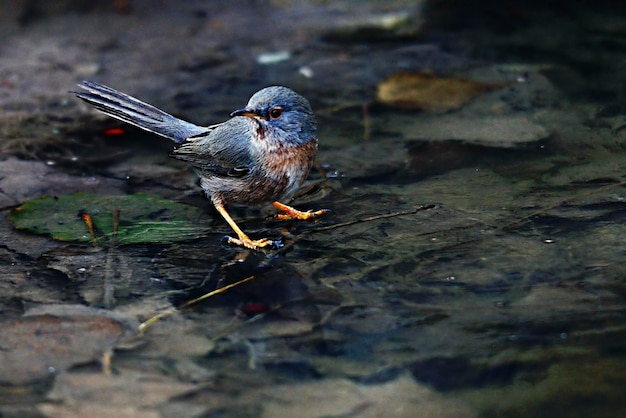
{"points": [[473, 263]]}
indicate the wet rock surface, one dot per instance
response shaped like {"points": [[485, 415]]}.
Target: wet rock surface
{"points": [[473, 262]]}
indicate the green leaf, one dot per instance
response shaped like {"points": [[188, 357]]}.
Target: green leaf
{"points": [[143, 218]]}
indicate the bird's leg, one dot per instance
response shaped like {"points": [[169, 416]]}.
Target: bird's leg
{"points": [[293, 213], [242, 239]]}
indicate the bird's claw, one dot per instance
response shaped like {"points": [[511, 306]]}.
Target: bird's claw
{"points": [[292, 213], [253, 244]]}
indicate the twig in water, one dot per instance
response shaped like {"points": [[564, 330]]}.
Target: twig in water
{"points": [[373, 218], [144, 325]]}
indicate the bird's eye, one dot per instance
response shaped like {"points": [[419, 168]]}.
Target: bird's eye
{"points": [[276, 112]]}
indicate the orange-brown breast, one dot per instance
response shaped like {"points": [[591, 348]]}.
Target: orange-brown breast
{"points": [[278, 176], [290, 166]]}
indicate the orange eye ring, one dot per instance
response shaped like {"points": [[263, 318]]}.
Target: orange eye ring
{"points": [[275, 112]]}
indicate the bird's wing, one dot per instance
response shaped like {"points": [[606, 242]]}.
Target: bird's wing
{"points": [[223, 150]]}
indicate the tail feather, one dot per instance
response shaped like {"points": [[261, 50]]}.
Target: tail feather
{"points": [[135, 112]]}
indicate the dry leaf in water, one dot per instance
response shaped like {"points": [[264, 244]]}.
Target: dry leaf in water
{"points": [[429, 93]]}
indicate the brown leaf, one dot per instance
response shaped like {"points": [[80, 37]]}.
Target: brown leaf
{"points": [[430, 93]]}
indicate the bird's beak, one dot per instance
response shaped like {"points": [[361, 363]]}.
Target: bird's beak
{"points": [[246, 112]]}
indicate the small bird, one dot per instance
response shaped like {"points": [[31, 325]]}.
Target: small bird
{"points": [[263, 153]]}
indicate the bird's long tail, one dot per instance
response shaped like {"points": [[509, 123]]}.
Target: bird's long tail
{"points": [[130, 110]]}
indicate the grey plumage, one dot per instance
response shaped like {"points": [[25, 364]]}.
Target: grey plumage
{"points": [[220, 150], [142, 115]]}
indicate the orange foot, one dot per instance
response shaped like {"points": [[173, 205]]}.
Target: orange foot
{"points": [[293, 213], [244, 241]]}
